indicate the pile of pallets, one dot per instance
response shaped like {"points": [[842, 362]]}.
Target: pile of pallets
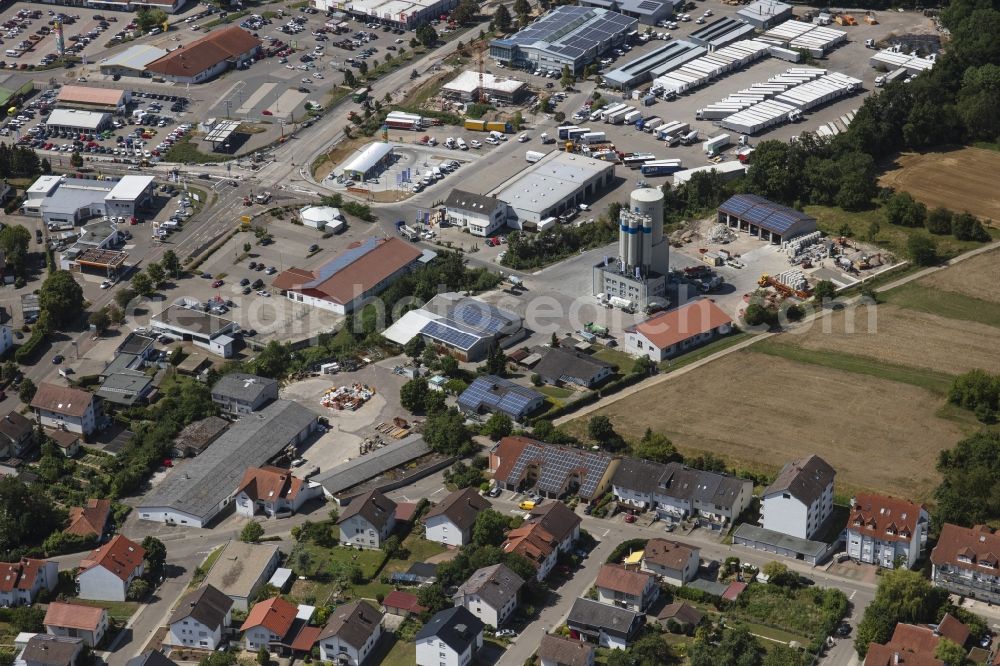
{"points": [[393, 430]]}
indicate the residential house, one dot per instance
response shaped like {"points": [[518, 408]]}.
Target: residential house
{"points": [[239, 393], [883, 530], [451, 637], [557, 650], [151, 658], [520, 463], [65, 408], [682, 614], [242, 569], [677, 492], [106, 573], [566, 366], [618, 586], [273, 491], [20, 582], [558, 520], [46, 650], [916, 645], [88, 623], [200, 619], [351, 633], [490, 593], [603, 624], [450, 522], [966, 562], [492, 394], [402, 604], [269, 624], [16, 435], [90, 520], [800, 499], [481, 214], [674, 562], [550, 529], [127, 388], [368, 520]]}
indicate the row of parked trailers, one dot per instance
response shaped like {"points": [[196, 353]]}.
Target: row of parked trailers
{"points": [[759, 92], [789, 105], [837, 126], [796, 35], [700, 71]]}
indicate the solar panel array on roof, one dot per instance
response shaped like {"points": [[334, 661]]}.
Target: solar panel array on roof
{"points": [[479, 316], [450, 335], [570, 30], [496, 394], [557, 463], [763, 213]]}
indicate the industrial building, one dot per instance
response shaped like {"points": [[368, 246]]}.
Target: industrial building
{"points": [[464, 327], [105, 100], [369, 162], [207, 57], [132, 61], [404, 14], [639, 273], [466, 88], [558, 182], [765, 219], [350, 279], [204, 330], [76, 121], [672, 333], [60, 200], [722, 31], [567, 35], [758, 92], [652, 64], [765, 13], [169, 6], [648, 12], [799, 35], [894, 58], [195, 492], [699, 71]]}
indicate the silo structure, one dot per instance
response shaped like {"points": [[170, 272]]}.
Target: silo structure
{"points": [[647, 242], [649, 201], [634, 242], [623, 237]]}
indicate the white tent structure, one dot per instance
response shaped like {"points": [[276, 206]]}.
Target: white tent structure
{"points": [[326, 218]]}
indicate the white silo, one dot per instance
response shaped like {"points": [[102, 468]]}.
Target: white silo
{"points": [[634, 242], [623, 238], [647, 242], [649, 201]]}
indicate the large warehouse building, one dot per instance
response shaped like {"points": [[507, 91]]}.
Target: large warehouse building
{"points": [[567, 35], [75, 121], [466, 88], [207, 56], [397, 13], [648, 12], [551, 186], [195, 492], [60, 200], [132, 61], [765, 219], [106, 100]]}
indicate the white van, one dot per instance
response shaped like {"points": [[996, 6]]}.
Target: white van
{"points": [[462, 145]]}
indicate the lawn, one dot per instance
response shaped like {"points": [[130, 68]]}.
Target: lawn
{"points": [[403, 653], [782, 614], [953, 305], [187, 151], [703, 352], [555, 392], [619, 358]]}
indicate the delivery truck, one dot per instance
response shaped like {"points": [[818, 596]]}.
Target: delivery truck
{"points": [[716, 144], [661, 167], [533, 156]]}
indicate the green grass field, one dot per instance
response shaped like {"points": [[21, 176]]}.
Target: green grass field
{"points": [[943, 303], [401, 654], [555, 392], [619, 358], [703, 352], [936, 382]]}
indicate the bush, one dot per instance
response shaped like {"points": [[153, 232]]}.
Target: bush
{"points": [[26, 352]]}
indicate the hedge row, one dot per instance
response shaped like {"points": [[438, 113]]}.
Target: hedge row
{"points": [[28, 349], [592, 397]]}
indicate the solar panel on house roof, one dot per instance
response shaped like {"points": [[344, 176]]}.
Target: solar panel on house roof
{"points": [[556, 464], [495, 393], [449, 335]]}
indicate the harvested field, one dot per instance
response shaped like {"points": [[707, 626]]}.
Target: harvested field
{"points": [[978, 277], [961, 180], [759, 411], [907, 337]]}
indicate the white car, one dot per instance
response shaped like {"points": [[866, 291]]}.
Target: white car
{"points": [[107, 284], [317, 75], [475, 144], [490, 140]]}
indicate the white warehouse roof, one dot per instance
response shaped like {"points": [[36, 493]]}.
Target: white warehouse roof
{"points": [[372, 154], [554, 178], [468, 81], [75, 118], [135, 57], [129, 188]]}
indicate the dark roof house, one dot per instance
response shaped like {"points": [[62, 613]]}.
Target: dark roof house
{"points": [[373, 506], [460, 507], [593, 618], [207, 605], [456, 627], [495, 585], [566, 366], [353, 623], [565, 651], [804, 479]]}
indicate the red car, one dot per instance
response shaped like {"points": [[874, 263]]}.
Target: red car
{"points": [[216, 284], [266, 112], [167, 462], [629, 518]]}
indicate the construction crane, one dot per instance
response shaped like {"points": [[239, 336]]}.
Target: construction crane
{"points": [[483, 99]]}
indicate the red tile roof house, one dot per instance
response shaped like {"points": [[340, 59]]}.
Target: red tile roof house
{"points": [[352, 277], [676, 331], [277, 624], [106, 572], [915, 645], [633, 590], [20, 582], [76, 621], [882, 530], [273, 491], [90, 520], [674, 562], [967, 562], [65, 408]]}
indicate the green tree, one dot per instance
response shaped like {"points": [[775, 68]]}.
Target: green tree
{"points": [[782, 655], [171, 264], [76, 160], [496, 362], [521, 7], [903, 210], [776, 171], [147, 19], [501, 18], [415, 347], [775, 572], [656, 447], [156, 553], [263, 656], [349, 79], [759, 315], [978, 100], [115, 315], [825, 291], [156, 273], [26, 391], [652, 650], [413, 395], [566, 78], [517, 121], [15, 241], [489, 528], [463, 476], [497, 426], [939, 221], [902, 596], [427, 35], [600, 430], [950, 652], [445, 432], [142, 284], [218, 659], [251, 532], [967, 228], [433, 597], [61, 297], [922, 250], [448, 365], [100, 320], [124, 296], [858, 183], [273, 361], [969, 492], [138, 589], [643, 365], [737, 647], [27, 619]]}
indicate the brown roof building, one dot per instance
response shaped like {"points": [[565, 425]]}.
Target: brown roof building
{"points": [[352, 277], [89, 520], [884, 530], [682, 613], [106, 573], [625, 588], [65, 408], [207, 56], [76, 621], [450, 522], [675, 562], [353, 629], [915, 645], [92, 99], [967, 562], [559, 651], [675, 331]]}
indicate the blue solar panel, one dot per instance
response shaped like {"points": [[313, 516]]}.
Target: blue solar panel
{"points": [[479, 316], [558, 464], [496, 394], [761, 212], [449, 335]]}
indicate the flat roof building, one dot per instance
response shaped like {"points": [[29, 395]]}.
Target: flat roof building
{"points": [[722, 31], [649, 65], [765, 13], [195, 492], [61, 200], [466, 88], [77, 121], [558, 182], [370, 161], [648, 12], [208, 331], [242, 569], [351, 278], [398, 13], [207, 56], [132, 61], [567, 35], [106, 100]]}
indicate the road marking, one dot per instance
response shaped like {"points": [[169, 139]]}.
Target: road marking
{"points": [[439, 490], [851, 598], [606, 533]]}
